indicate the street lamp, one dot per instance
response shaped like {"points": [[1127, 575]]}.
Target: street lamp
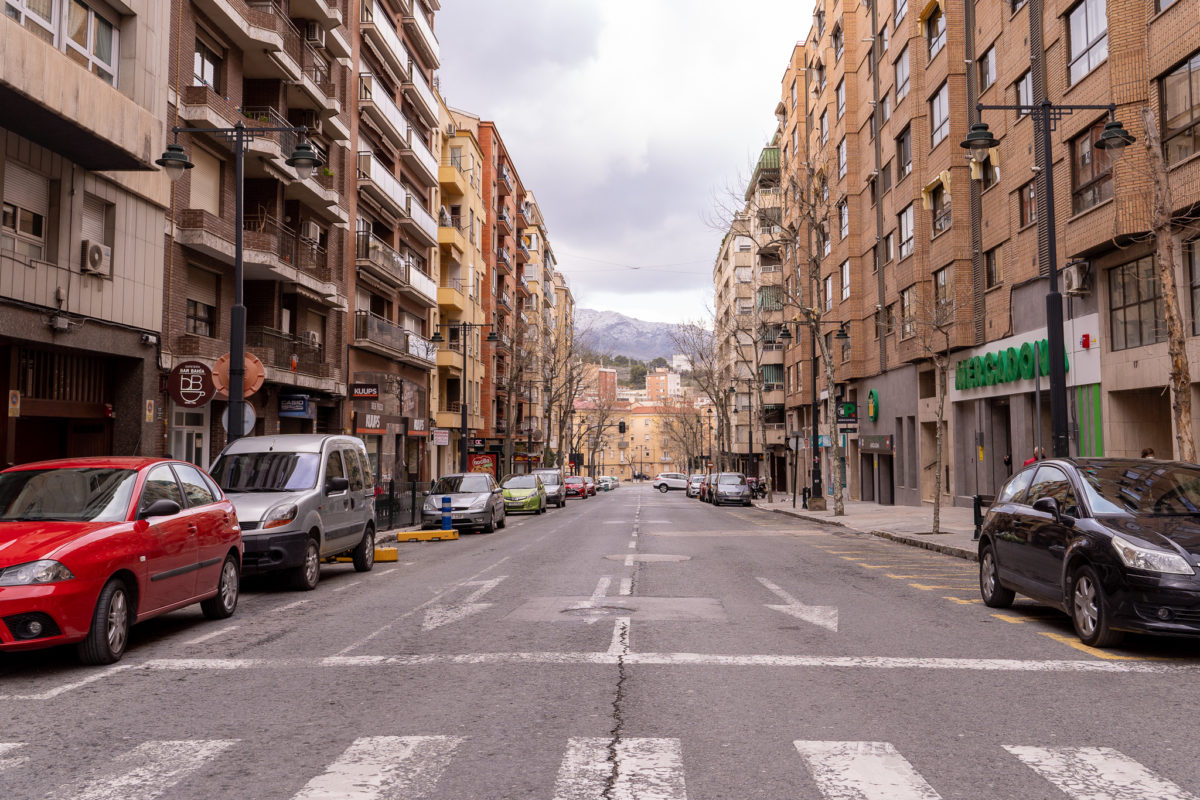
{"points": [[708, 454], [1114, 140], [175, 163], [463, 328], [750, 426], [842, 335]]}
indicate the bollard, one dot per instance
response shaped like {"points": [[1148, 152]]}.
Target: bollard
{"points": [[446, 514]]}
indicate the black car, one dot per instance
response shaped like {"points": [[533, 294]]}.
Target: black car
{"points": [[1113, 542]]}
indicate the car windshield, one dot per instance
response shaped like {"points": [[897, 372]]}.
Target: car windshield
{"points": [[732, 480], [574, 481], [267, 472], [520, 482], [461, 484], [549, 477], [98, 494], [1149, 487]]}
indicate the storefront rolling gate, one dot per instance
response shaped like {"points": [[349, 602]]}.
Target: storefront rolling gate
{"points": [[398, 504]]}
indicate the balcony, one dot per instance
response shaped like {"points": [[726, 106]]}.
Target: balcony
{"points": [[420, 222], [522, 253], [523, 288], [379, 335], [422, 35], [504, 221], [377, 257], [377, 30], [421, 352], [326, 13], [451, 296], [421, 96], [294, 361], [271, 44], [504, 183], [381, 110], [452, 235], [420, 287], [504, 301], [503, 261], [505, 341], [419, 158], [452, 179], [377, 182], [317, 88]]}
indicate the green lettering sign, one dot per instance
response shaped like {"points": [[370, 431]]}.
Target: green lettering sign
{"points": [[1005, 366]]}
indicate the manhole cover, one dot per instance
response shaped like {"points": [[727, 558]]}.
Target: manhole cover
{"points": [[598, 611]]}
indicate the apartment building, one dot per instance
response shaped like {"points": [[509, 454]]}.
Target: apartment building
{"points": [[534, 282], [663, 384], [645, 436], [879, 97], [82, 85]]}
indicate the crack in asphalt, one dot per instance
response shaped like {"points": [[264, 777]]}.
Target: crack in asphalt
{"points": [[618, 728]]}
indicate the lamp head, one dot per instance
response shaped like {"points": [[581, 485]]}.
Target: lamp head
{"points": [[979, 140], [437, 337], [303, 160], [174, 162], [1115, 139]]}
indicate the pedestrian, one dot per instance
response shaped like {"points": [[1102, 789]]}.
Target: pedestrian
{"points": [[1038, 454], [1147, 452]]}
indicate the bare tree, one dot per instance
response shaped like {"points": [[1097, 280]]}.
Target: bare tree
{"points": [[698, 342], [562, 380], [682, 427], [930, 320]]}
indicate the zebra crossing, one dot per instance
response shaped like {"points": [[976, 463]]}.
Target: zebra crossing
{"points": [[410, 767]]}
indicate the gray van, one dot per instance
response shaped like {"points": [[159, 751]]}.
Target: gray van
{"points": [[300, 498]]}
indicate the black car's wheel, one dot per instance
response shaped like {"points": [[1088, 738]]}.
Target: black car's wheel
{"points": [[1090, 611], [306, 576], [364, 554], [994, 595], [109, 634], [224, 602]]}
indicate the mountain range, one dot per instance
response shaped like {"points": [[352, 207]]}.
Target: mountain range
{"points": [[612, 333]]}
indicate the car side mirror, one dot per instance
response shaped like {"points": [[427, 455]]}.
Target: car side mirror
{"points": [[335, 485], [1048, 505], [160, 508]]}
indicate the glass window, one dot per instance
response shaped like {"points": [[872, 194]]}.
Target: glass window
{"points": [[942, 216], [889, 246], [987, 69], [353, 469], [1024, 91], [1091, 173], [906, 231], [91, 40], [887, 107], [838, 43], [902, 74], [908, 320], [886, 178], [1028, 201], [846, 279], [37, 16], [1087, 31], [939, 112], [991, 268], [943, 295], [841, 155], [160, 485], [201, 319], [195, 488], [1017, 5], [935, 32], [841, 98], [1192, 258], [824, 127], [98, 494], [1149, 487], [1180, 95], [207, 67], [844, 219], [1135, 305], [988, 174], [22, 232], [828, 292], [1014, 490], [901, 10], [1052, 482]]}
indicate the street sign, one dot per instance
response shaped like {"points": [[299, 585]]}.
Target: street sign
{"points": [[847, 412], [441, 437], [252, 379], [190, 384], [248, 418]]}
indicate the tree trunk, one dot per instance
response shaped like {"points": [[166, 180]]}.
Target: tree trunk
{"points": [[835, 459], [1181, 379]]}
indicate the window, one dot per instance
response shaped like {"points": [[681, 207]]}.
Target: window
{"points": [[889, 320], [903, 153], [1180, 93], [1134, 304], [841, 153], [988, 174], [883, 38], [939, 113], [22, 232], [1192, 257], [943, 296], [887, 107], [770, 298], [886, 177], [37, 16], [841, 98], [826, 242], [828, 292], [207, 67], [1024, 91], [796, 139], [838, 43], [902, 74], [1028, 201], [935, 32], [794, 95], [940, 204], [160, 485], [987, 69], [1087, 30], [991, 268], [820, 24], [824, 127], [1091, 170], [195, 488], [908, 321], [91, 41], [889, 246], [202, 294], [906, 231], [1017, 5], [846, 279], [843, 219], [901, 10]]}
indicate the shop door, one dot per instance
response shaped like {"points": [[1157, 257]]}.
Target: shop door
{"points": [[887, 495], [866, 477]]}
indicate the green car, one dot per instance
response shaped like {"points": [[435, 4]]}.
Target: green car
{"points": [[524, 493]]}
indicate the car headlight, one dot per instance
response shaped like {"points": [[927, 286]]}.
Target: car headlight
{"points": [[1151, 560], [279, 516], [35, 572], [479, 503]]}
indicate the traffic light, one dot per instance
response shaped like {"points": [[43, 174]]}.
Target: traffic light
{"points": [[621, 427]]}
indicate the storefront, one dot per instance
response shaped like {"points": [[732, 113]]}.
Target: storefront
{"points": [[885, 455]]}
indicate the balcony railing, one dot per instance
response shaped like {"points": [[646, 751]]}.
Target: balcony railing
{"points": [[425, 38], [370, 247], [506, 301], [393, 49], [374, 328], [502, 257], [368, 89], [505, 180], [422, 218], [423, 97], [503, 218], [420, 347], [372, 169], [264, 233], [283, 351], [416, 143]]}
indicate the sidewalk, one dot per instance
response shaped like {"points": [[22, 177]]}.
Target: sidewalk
{"points": [[908, 524]]}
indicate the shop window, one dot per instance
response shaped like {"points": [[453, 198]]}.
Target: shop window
{"points": [[1135, 306], [1091, 170], [1087, 32], [1180, 95], [189, 435]]}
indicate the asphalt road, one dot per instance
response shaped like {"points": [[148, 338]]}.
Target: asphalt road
{"points": [[631, 646]]}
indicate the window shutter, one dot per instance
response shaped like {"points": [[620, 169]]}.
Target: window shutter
{"points": [[202, 286], [94, 212], [26, 188], [206, 181]]}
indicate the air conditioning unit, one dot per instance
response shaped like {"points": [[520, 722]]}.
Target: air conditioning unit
{"points": [[310, 230], [311, 338], [314, 33], [310, 119], [1077, 278], [451, 130], [97, 258]]}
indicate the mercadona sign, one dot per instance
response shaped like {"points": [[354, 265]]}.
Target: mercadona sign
{"points": [[1004, 366]]}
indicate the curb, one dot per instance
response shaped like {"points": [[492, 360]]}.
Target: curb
{"points": [[903, 538]]}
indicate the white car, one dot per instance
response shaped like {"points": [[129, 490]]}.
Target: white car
{"points": [[665, 481]]}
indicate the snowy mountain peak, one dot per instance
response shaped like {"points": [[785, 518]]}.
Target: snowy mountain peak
{"points": [[613, 333]]}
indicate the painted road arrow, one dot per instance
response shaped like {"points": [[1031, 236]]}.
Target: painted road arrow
{"points": [[437, 616], [824, 616]]}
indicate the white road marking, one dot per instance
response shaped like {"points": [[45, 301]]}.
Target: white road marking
{"points": [[620, 637], [347, 586], [437, 616], [863, 771], [823, 616], [384, 768], [644, 769], [633, 544], [292, 605], [147, 771], [9, 763], [626, 586], [209, 636], [601, 589], [384, 572], [50, 694], [629, 560], [1097, 773]]}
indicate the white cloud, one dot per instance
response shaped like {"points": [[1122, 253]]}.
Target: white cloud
{"points": [[626, 118]]}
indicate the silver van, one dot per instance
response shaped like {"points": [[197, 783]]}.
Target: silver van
{"points": [[300, 498]]}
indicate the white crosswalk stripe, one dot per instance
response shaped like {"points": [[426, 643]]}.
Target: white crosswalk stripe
{"points": [[147, 771], [1097, 773], [8, 763], [635, 769], [863, 771], [384, 768]]}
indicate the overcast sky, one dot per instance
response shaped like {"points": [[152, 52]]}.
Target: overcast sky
{"points": [[629, 120]]}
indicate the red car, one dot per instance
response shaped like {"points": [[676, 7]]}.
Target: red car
{"points": [[89, 546], [590, 483], [576, 487]]}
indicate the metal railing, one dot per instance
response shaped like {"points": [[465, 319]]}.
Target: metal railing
{"points": [[369, 247], [371, 327]]}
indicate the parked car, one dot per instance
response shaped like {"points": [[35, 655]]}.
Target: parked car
{"points": [[1113, 542], [301, 498], [731, 488], [606, 483], [590, 483], [524, 493], [90, 546], [576, 487], [476, 502], [693, 487], [665, 481], [556, 489]]}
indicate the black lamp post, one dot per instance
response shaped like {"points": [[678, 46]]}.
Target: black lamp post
{"points": [[463, 328], [750, 426], [174, 162], [708, 454], [1114, 139], [842, 335]]}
